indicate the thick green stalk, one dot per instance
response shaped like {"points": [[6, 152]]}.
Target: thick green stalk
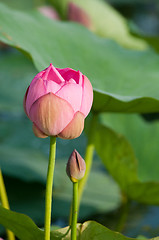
{"points": [[49, 186], [88, 158], [124, 213], [74, 211], [5, 203]]}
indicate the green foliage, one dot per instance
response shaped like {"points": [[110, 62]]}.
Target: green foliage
{"points": [[142, 237], [21, 4], [105, 21], [138, 178], [143, 136], [25, 229], [121, 83], [129, 2], [24, 154], [16, 72], [25, 157], [22, 226], [117, 155]]}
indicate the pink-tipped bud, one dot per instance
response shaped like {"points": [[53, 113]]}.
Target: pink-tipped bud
{"points": [[49, 12], [76, 167], [58, 101], [77, 14]]}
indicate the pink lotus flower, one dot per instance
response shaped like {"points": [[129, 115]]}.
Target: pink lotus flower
{"points": [[57, 102]]}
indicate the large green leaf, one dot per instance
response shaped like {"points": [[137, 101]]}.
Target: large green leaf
{"points": [[25, 229], [117, 155], [22, 4], [120, 81], [129, 2], [137, 177], [142, 237], [143, 137], [105, 21]]}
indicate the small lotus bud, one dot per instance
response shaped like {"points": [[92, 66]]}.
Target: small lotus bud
{"points": [[75, 166], [49, 12], [77, 14]]}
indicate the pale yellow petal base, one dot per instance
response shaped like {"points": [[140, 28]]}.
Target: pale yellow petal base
{"points": [[74, 128], [38, 133]]}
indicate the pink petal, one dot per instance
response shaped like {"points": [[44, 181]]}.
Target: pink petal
{"points": [[51, 114], [72, 93], [51, 86], [74, 128], [62, 71], [77, 14], [24, 101], [49, 12], [52, 74], [72, 81], [68, 73], [87, 96], [36, 90], [39, 75]]}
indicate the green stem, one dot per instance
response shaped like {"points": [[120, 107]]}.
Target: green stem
{"points": [[49, 186], [124, 213], [74, 211], [88, 158], [88, 161], [5, 203]]}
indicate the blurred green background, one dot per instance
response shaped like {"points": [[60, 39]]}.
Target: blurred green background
{"points": [[134, 25]]}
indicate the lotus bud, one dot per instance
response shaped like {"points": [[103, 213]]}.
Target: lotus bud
{"points": [[76, 167], [58, 101], [77, 14], [49, 12]]}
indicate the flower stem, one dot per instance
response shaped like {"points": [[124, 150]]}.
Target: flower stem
{"points": [[5, 203], [49, 186], [74, 211], [88, 161], [124, 213], [88, 158]]}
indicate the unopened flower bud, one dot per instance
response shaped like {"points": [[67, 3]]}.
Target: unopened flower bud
{"points": [[76, 167], [77, 14], [49, 12], [58, 101]]}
